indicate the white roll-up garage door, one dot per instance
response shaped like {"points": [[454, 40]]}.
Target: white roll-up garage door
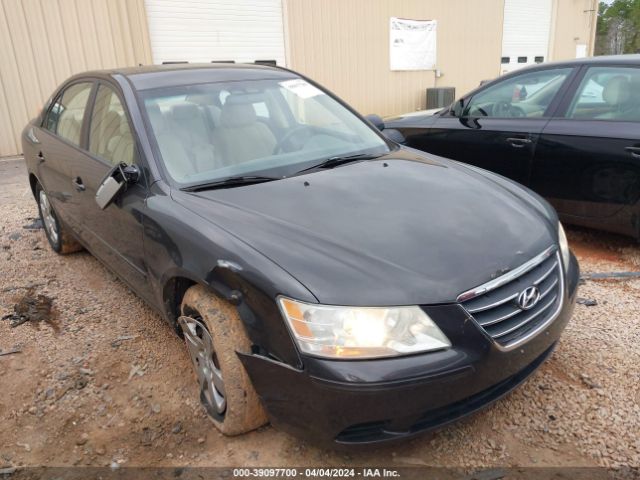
{"points": [[206, 30], [525, 33]]}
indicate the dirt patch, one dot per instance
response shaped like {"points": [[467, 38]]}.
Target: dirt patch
{"points": [[33, 308], [616, 251]]}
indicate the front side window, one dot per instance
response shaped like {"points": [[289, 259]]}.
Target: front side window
{"points": [[608, 93], [110, 136], [267, 127], [67, 112], [525, 95]]}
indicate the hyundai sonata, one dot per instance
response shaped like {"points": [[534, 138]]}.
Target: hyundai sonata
{"points": [[324, 278]]}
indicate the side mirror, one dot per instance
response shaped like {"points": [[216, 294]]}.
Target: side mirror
{"points": [[116, 180], [376, 120], [457, 109], [394, 135], [131, 174]]}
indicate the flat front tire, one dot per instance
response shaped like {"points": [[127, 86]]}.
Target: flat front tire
{"points": [[213, 332], [59, 236]]}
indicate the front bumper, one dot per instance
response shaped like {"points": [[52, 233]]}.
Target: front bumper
{"points": [[372, 401]]}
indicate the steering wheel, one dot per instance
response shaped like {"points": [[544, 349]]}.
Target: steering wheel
{"points": [[517, 111], [288, 136], [308, 131], [507, 109]]}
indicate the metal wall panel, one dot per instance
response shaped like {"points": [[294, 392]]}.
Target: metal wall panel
{"points": [[575, 24], [344, 45], [43, 42]]}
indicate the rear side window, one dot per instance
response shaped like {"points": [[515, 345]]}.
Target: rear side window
{"points": [[110, 136], [67, 112], [608, 93]]}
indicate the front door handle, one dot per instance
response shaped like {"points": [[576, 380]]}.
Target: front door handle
{"points": [[77, 182], [634, 151], [41, 157], [517, 142]]}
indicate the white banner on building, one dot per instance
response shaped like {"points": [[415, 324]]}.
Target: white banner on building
{"points": [[412, 44]]}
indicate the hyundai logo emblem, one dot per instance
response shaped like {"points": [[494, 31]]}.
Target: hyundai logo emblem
{"points": [[529, 298]]}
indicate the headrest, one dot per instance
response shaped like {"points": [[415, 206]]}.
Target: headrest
{"points": [[156, 117], [617, 90], [185, 112], [111, 118], [206, 99], [237, 114], [110, 123], [634, 86], [124, 125]]}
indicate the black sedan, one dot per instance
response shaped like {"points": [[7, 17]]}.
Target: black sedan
{"points": [[324, 278], [570, 131]]}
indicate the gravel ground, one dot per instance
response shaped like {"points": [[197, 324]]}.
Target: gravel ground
{"points": [[105, 379]]}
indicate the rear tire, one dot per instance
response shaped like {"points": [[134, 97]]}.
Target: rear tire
{"points": [[214, 332], [60, 238]]}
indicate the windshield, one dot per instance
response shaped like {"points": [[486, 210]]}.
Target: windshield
{"points": [[208, 132]]}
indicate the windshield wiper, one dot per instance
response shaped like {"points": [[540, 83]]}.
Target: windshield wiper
{"points": [[230, 182], [341, 160]]}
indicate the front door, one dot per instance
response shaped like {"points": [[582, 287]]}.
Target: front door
{"points": [[588, 158], [497, 129], [116, 232]]}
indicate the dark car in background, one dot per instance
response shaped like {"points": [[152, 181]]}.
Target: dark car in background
{"points": [[570, 131], [346, 288]]}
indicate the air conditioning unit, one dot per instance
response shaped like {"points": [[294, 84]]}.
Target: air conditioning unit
{"points": [[440, 97]]}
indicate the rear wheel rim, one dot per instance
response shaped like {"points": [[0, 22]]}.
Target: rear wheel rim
{"points": [[205, 364], [48, 218]]}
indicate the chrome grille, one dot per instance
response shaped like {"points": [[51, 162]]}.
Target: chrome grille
{"points": [[494, 305]]}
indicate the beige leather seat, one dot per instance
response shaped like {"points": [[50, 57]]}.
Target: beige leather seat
{"points": [[120, 147], [194, 131], [616, 94], [174, 155], [631, 111], [105, 130], [208, 104], [69, 127], [241, 137]]}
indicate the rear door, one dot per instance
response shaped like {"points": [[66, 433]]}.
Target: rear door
{"points": [[115, 233], [59, 147], [498, 127], [588, 159]]}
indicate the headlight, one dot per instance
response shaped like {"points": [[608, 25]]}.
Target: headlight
{"points": [[361, 332], [564, 247]]}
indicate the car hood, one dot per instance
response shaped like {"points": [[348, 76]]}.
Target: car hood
{"points": [[404, 229], [417, 113], [421, 118]]}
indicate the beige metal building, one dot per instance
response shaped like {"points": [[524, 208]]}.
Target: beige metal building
{"points": [[343, 44]]}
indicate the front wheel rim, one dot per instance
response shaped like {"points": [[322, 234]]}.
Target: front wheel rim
{"points": [[48, 218], [205, 364]]}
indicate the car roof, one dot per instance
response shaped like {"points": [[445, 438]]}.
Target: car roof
{"points": [[146, 77], [630, 59]]}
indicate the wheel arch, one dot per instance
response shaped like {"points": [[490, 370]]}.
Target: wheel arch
{"points": [[176, 285], [258, 311], [173, 291], [33, 182]]}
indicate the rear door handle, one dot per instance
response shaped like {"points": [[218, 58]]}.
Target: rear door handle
{"points": [[518, 142], [634, 151], [77, 182]]}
